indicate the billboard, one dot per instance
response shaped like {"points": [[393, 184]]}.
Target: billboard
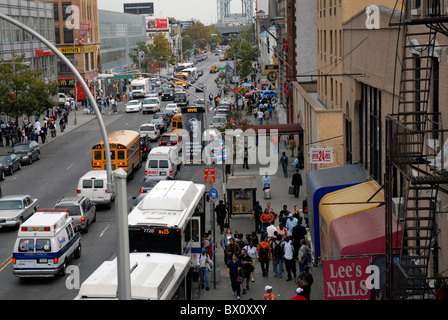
{"points": [[193, 124], [156, 24]]}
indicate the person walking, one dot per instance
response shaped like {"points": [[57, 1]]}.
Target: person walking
{"points": [[284, 162], [246, 269], [260, 116], [291, 222], [299, 294], [256, 214], [266, 181], [232, 249], [277, 247], [266, 218], [304, 252], [202, 261], [291, 145], [234, 267], [305, 282], [264, 256], [246, 158], [225, 240], [290, 262], [301, 157], [298, 233], [296, 182], [252, 252], [268, 293], [221, 215]]}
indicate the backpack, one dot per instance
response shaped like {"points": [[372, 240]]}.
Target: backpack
{"points": [[264, 253], [277, 250]]}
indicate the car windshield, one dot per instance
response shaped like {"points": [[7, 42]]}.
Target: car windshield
{"points": [[134, 102], [5, 158], [219, 120], [150, 101], [152, 92], [21, 148], [151, 182], [157, 120], [168, 91], [72, 210], [11, 205]]}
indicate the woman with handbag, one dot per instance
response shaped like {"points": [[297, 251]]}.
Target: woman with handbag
{"points": [[234, 267]]}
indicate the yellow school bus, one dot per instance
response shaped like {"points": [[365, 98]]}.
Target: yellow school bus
{"points": [[176, 122], [125, 152], [182, 76]]}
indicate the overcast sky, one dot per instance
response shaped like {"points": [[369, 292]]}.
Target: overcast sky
{"points": [[203, 10]]}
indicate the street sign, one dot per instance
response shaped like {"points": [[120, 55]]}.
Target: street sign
{"points": [[221, 153], [209, 175], [214, 195], [235, 90], [123, 76]]}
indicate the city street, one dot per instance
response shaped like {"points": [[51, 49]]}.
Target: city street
{"points": [[64, 160]]}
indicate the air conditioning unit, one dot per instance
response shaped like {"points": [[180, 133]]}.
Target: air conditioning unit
{"points": [[398, 208]]}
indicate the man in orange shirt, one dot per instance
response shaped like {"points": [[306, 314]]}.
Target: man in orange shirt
{"points": [[265, 218], [264, 256]]}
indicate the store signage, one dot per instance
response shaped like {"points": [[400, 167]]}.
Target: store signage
{"points": [[42, 53], [321, 155], [70, 50], [348, 279]]}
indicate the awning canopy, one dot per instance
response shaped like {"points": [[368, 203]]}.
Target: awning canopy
{"points": [[344, 202], [362, 233], [323, 181], [282, 129]]}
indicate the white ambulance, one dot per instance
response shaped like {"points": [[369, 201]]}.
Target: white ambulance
{"points": [[45, 243]]}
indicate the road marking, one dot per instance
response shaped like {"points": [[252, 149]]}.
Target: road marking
{"points": [[70, 166], [102, 233], [43, 186], [5, 263]]}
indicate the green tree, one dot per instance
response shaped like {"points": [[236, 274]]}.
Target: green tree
{"points": [[245, 53], [22, 90], [150, 56]]}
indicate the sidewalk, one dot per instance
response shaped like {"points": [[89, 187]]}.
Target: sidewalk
{"points": [[283, 289]]}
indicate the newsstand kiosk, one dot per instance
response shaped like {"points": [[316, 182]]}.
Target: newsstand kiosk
{"points": [[241, 194]]}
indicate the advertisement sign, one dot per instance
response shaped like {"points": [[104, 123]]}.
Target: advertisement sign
{"points": [[156, 24], [321, 155], [193, 124], [83, 33], [346, 279]]}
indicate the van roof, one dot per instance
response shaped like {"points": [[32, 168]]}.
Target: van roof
{"points": [[164, 149], [95, 174], [54, 219]]}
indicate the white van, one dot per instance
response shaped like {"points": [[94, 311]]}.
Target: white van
{"points": [[45, 243], [163, 161], [93, 185]]}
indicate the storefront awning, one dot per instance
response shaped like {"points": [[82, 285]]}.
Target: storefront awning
{"points": [[323, 181], [344, 202], [362, 233], [282, 129]]}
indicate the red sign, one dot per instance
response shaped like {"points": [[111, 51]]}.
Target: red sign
{"points": [[346, 279], [42, 53], [320, 155], [156, 24], [209, 175], [235, 90]]}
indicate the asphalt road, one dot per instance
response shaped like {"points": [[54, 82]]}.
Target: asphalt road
{"points": [[56, 175]]}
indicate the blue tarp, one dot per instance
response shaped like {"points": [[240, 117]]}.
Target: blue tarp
{"points": [[323, 181]]}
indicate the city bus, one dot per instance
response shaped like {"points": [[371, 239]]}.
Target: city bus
{"points": [[181, 66], [169, 219], [192, 73], [184, 76], [125, 152]]}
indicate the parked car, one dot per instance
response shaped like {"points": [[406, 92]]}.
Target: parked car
{"points": [[160, 123], [12, 162], [81, 209], [15, 209], [27, 151], [151, 105], [134, 106], [173, 107], [151, 181], [151, 130]]}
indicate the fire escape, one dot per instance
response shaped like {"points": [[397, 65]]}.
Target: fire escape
{"points": [[415, 163]]}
